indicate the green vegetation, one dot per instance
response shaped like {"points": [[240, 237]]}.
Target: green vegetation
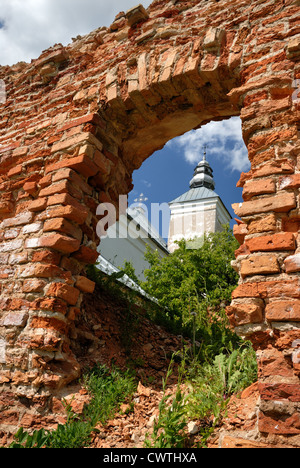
{"points": [[208, 388], [193, 288], [108, 390]]}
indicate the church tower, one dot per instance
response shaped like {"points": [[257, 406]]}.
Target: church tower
{"points": [[200, 210]]}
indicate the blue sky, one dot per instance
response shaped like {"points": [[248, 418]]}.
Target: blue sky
{"points": [[167, 173]]}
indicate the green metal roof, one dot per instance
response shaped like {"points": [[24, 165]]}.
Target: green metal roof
{"points": [[193, 194]]}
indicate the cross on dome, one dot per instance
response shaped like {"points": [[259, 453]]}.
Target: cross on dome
{"points": [[203, 175]]}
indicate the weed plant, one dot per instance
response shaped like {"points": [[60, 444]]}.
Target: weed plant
{"points": [[108, 390], [208, 388]]}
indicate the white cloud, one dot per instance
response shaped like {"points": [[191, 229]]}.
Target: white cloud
{"points": [[31, 26], [146, 183], [223, 139]]}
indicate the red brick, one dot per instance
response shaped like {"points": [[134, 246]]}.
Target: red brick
{"points": [[57, 56], [255, 97], [289, 182], [85, 285], [6, 207], [66, 199], [242, 250], [33, 285], [242, 314], [287, 424], [30, 187], [46, 256], [239, 232], [45, 181], [49, 323], [94, 118], [260, 265], [78, 140], [86, 255], [41, 271], [282, 166], [69, 212], [59, 242], [60, 187], [282, 241], [82, 164], [280, 203], [279, 391], [15, 171], [37, 205], [62, 225], [291, 225], [258, 187], [268, 289], [268, 138], [283, 311], [65, 292], [102, 162], [50, 305], [265, 224], [74, 178]]}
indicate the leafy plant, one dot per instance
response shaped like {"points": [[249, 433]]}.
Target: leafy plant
{"points": [[169, 429], [213, 382], [23, 439], [108, 390]]}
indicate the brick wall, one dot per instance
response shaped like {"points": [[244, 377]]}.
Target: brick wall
{"points": [[78, 120]]}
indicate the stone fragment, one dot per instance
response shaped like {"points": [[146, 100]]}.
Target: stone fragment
{"points": [[15, 319], [242, 314], [213, 38], [192, 428], [293, 48], [292, 263], [2, 351], [136, 15], [231, 442]]}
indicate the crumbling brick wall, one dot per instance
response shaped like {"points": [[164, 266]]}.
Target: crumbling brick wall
{"points": [[80, 119]]}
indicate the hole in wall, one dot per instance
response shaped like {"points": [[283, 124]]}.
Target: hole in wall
{"points": [[166, 175]]}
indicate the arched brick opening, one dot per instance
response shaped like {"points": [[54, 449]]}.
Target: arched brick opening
{"points": [[76, 123]]}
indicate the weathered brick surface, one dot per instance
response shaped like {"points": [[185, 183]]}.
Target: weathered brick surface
{"points": [[95, 110]]}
